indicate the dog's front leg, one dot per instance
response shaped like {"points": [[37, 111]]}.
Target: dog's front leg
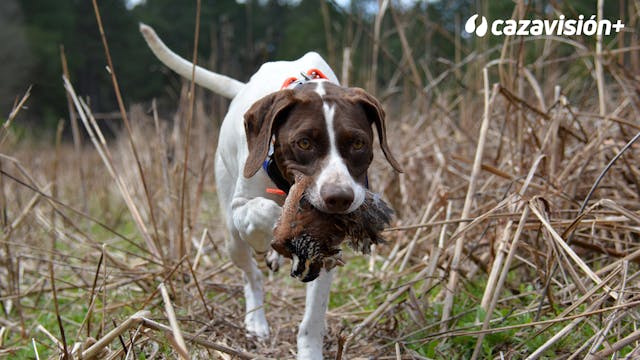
{"points": [[241, 255], [253, 221], [312, 327]]}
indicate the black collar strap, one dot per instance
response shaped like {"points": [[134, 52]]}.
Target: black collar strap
{"points": [[270, 166]]}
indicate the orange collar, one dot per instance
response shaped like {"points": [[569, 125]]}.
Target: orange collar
{"points": [[311, 74]]}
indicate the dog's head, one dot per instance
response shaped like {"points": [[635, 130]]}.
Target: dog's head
{"points": [[323, 131]]}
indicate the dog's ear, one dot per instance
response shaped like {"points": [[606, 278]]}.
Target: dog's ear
{"points": [[376, 115], [259, 123]]}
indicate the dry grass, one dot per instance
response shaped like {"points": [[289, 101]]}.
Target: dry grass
{"points": [[502, 246]]}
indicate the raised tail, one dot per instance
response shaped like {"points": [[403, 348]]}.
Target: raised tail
{"points": [[219, 84]]}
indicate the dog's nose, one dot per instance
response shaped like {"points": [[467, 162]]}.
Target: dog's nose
{"points": [[337, 199]]}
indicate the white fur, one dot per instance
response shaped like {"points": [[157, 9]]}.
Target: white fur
{"points": [[320, 89], [217, 83], [250, 213]]}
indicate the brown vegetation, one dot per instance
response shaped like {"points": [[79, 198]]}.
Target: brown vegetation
{"points": [[517, 227]]}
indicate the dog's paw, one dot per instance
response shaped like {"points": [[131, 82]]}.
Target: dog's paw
{"points": [[256, 326], [265, 213], [255, 219], [309, 352], [273, 260]]}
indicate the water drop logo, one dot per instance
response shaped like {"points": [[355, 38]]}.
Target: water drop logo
{"points": [[481, 30]]}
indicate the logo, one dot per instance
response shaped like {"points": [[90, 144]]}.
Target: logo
{"points": [[560, 26], [470, 26]]}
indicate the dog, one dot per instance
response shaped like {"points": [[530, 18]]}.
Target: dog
{"points": [[282, 122]]}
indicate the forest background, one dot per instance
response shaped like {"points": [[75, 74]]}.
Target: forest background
{"points": [[235, 38]]}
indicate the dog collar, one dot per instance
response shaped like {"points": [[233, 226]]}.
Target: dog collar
{"points": [[282, 185], [311, 74]]}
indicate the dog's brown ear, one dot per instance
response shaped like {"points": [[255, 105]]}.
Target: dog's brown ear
{"points": [[259, 123], [376, 115]]}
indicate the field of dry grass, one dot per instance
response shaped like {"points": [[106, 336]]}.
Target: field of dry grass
{"points": [[516, 234]]}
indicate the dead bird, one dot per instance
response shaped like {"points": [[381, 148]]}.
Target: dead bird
{"points": [[312, 238]]}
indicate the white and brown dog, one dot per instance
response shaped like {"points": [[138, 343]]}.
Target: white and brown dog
{"points": [[276, 125]]}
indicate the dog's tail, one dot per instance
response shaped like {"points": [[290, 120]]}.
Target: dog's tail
{"points": [[217, 83]]}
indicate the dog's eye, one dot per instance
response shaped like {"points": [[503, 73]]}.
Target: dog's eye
{"points": [[304, 144], [358, 144]]}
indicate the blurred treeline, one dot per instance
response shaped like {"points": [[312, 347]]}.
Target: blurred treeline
{"points": [[235, 38]]}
